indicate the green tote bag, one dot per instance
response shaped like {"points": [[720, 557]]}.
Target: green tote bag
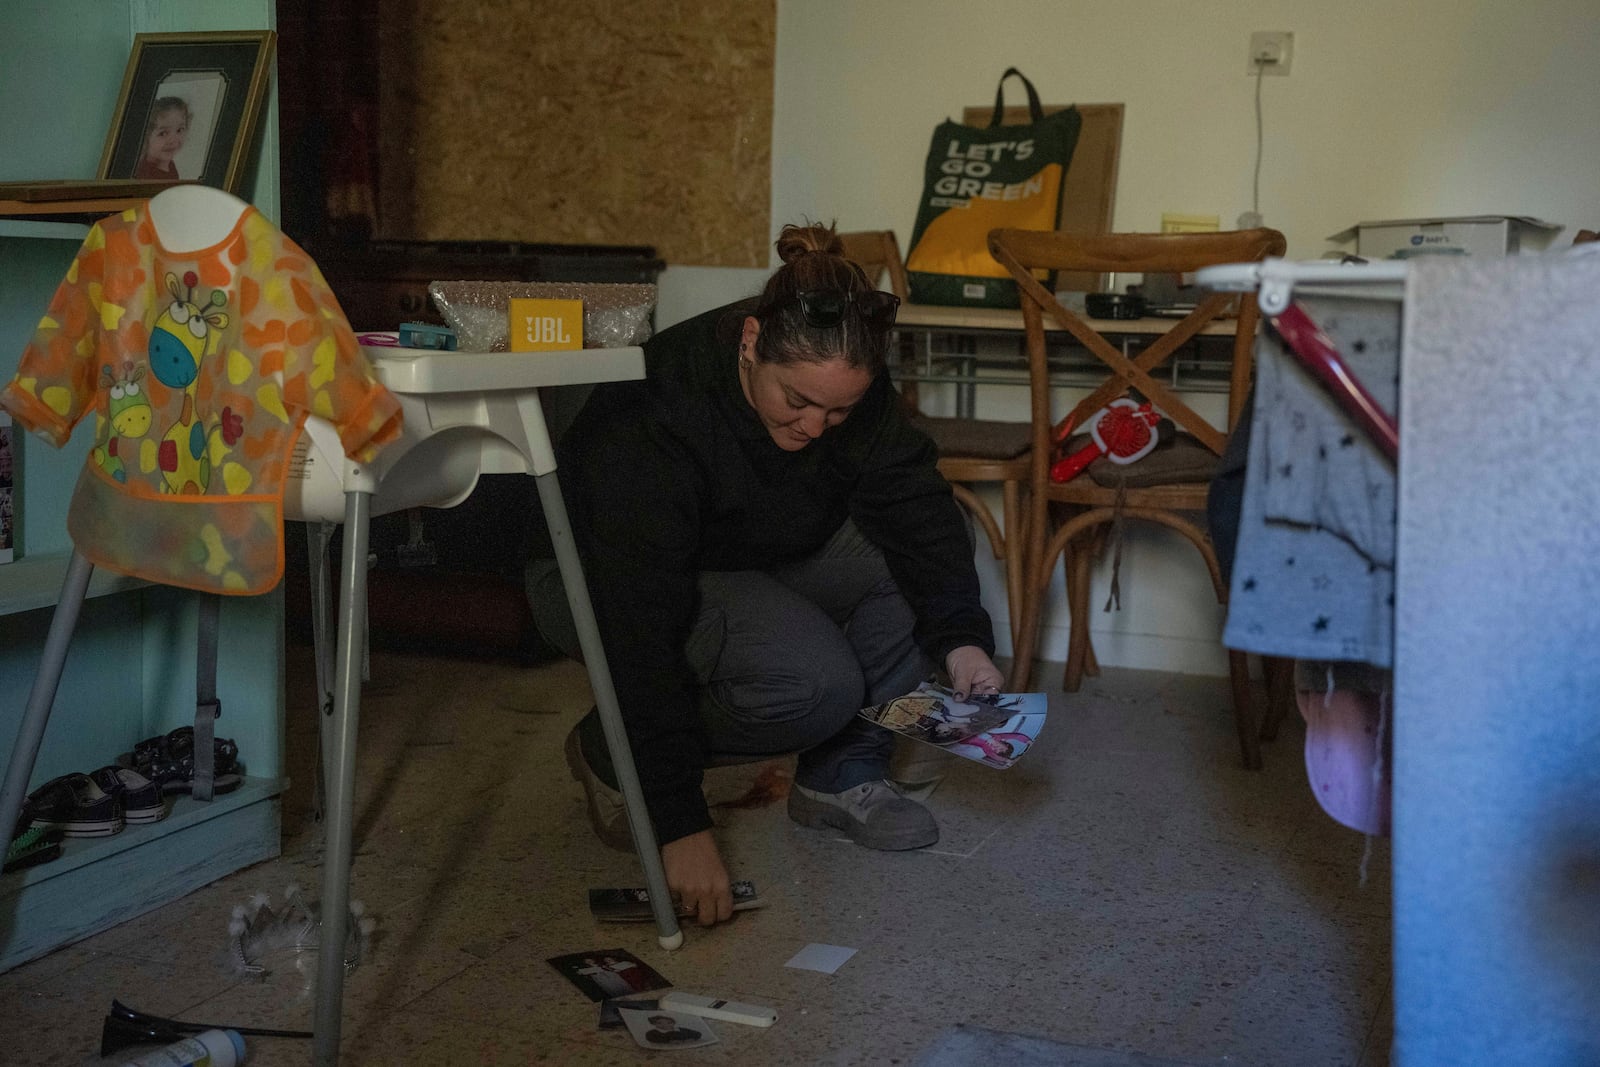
{"points": [[982, 177]]}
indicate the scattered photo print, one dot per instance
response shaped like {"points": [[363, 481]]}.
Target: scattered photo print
{"points": [[668, 1029], [608, 973], [611, 1020]]}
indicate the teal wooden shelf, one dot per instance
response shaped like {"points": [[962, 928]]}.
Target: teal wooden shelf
{"points": [[130, 670], [183, 812], [98, 883], [41, 228], [35, 582]]}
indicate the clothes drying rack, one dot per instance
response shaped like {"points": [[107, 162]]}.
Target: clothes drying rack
{"points": [[1496, 781], [1275, 281]]}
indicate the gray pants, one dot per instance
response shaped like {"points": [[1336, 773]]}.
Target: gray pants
{"points": [[784, 659]]}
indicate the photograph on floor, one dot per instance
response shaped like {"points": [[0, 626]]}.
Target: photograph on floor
{"points": [[602, 974], [665, 1029], [992, 729], [610, 1010]]}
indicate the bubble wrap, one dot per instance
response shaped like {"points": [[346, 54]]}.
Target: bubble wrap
{"points": [[614, 315]]}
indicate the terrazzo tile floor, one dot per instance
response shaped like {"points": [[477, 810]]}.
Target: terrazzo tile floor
{"points": [[1126, 894]]}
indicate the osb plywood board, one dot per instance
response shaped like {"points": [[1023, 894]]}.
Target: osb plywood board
{"points": [[587, 121]]}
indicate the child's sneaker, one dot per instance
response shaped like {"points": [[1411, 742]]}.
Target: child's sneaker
{"points": [[141, 798], [77, 807]]}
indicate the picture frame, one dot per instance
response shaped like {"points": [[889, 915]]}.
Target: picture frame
{"points": [[189, 107]]}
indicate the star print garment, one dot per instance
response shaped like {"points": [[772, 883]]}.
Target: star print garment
{"points": [[1313, 578], [200, 369]]}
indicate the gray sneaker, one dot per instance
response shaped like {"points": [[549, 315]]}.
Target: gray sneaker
{"points": [[872, 814], [607, 814]]}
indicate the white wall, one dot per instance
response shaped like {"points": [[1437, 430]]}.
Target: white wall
{"points": [[1391, 110], [684, 292], [1430, 107]]}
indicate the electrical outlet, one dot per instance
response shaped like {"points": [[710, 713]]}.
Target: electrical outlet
{"points": [[1271, 52]]}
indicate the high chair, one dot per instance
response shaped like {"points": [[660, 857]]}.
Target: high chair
{"points": [[466, 414]]}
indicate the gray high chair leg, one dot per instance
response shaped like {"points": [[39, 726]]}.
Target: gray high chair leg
{"points": [[318, 536], [605, 697], [339, 770], [19, 768]]}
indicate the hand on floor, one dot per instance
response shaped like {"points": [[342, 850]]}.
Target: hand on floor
{"points": [[696, 876]]}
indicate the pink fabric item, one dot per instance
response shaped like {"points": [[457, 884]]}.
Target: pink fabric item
{"points": [[1346, 762]]}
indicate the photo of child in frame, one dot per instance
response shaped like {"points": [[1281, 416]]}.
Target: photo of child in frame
{"points": [[188, 108], [180, 125], [164, 136]]}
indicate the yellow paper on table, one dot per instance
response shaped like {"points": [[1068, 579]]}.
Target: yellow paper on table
{"points": [[539, 325]]}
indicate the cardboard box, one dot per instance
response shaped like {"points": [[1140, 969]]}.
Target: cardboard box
{"points": [[1473, 235]]}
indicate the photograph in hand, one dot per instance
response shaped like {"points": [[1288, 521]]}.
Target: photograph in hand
{"points": [[993, 729]]}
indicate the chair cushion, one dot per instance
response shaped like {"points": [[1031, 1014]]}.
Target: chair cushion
{"points": [[982, 438], [1183, 460]]}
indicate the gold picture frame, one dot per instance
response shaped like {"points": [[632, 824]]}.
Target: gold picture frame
{"points": [[189, 107]]}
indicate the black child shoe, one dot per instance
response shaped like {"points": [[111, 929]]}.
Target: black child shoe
{"points": [[77, 807], [168, 761], [141, 798]]}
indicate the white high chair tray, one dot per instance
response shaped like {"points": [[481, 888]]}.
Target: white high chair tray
{"points": [[466, 414], [423, 370]]}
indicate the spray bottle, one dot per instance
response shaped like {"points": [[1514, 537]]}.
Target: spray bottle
{"points": [[209, 1048]]}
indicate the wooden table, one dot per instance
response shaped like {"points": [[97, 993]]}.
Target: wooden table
{"points": [[928, 318], [921, 322]]}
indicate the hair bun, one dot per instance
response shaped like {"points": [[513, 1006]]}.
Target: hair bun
{"points": [[796, 241]]}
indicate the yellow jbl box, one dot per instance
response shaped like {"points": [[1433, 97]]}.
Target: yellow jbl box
{"points": [[545, 325], [1174, 223]]}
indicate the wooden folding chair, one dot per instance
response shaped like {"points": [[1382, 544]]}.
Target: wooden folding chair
{"points": [[1170, 485]]}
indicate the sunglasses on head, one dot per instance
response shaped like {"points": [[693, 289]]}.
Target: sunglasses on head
{"points": [[825, 308]]}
